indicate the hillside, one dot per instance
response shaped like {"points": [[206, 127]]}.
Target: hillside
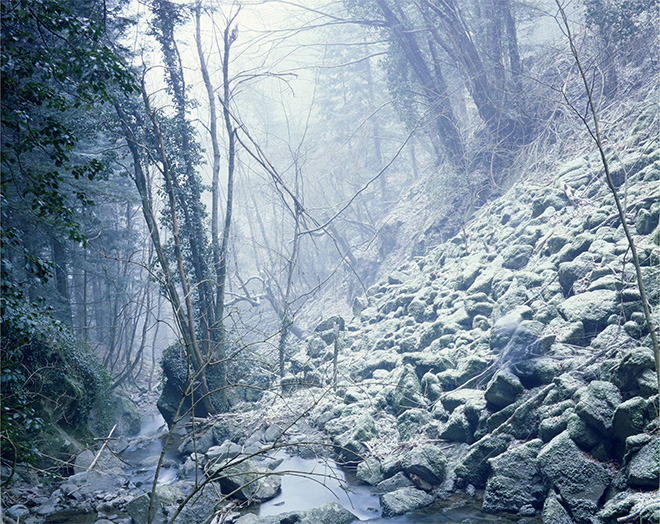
{"points": [[522, 339]]}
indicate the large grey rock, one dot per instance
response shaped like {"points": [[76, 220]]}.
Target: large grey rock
{"points": [[580, 481], [426, 462], [596, 404], [627, 503], [106, 462], [554, 512], [404, 500], [329, 513], [581, 433], [236, 478], [503, 388], [369, 471], [632, 365], [592, 308], [410, 422], [426, 361], [329, 324], [516, 256], [165, 497], [227, 429], [474, 468], [644, 467], [629, 418], [349, 446], [397, 481], [200, 443], [458, 427], [505, 327], [201, 507], [515, 480], [129, 420], [408, 392]]}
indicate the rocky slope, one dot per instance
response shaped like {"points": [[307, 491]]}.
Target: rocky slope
{"points": [[512, 362], [513, 359]]}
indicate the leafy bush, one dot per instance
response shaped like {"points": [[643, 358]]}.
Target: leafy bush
{"points": [[48, 376]]}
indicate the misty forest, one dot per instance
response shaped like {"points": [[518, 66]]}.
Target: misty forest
{"points": [[330, 261]]}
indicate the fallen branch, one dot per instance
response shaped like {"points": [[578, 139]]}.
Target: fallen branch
{"points": [[105, 443]]}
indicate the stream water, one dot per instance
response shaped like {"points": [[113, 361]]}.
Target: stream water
{"points": [[146, 447], [306, 483]]}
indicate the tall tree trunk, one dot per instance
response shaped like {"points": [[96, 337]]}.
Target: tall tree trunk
{"points": [[63, 312], [434, 90], [185, 319]]}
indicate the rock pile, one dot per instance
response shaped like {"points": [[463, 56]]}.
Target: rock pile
{"points": [[519, 350]]}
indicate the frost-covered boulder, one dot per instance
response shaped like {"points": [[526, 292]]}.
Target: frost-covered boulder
{"points": [[515, 480], [503, 389], [404, 500], [596, 404], [580, 481], [426, 462], [644, 467], [165, 498], [329, 513], [349, 446], [592, 308]]}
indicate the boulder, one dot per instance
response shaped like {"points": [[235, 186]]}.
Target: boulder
{"points": [[596, 404], [239, 479], [426, 462], [554, 512], [629, 418], [631, 503], [505, 327], [165, 498], [580, 481], [633, 364], [592, 308], [404, 500], [369, 471], [458, 427], [397, 481], [201, 507], [503, 389], [269, 487], [349, 446], [106, 462], [582, 434], [408, 392], [645, 222], [329, 513], [644, 467], [200, 444], [427, 362], [466, 396], [516, 256], [515, 480], [474, 469], [329, 324], [129, 420], [227, 429], [410, 421]]}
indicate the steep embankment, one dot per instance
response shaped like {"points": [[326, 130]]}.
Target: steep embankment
{"points": [[522, 344]]}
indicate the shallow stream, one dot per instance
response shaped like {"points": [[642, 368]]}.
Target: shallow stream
{"points": [[306, 484]]}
